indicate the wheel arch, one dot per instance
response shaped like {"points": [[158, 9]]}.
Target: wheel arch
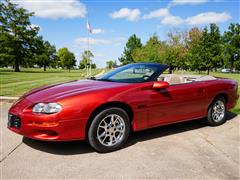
{"points": [[117, 104], [223, 95]]}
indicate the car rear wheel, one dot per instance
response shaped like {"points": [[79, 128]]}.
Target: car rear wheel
{"points": [[217, 112], [109, 130]]}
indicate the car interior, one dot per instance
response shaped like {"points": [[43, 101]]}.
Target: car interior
{"points": [[174, 79]]}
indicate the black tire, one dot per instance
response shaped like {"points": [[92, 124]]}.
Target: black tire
{"points": [[213, 121], [94, 130]]}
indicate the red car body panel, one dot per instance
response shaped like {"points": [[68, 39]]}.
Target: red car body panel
{"points": [[149, 107]]}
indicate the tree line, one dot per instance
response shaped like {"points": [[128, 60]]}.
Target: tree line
{"points": [[197, 49], [21, 44]]}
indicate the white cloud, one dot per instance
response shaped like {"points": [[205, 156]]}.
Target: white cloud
{"points": [[83, 41], [208, 17], [190, 2], [203, 18], [54, 9], [162, 12], [172, 20], [92, 41], [165, 15], [126, 13], [97, 31]]}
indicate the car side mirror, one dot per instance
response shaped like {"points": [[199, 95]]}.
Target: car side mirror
{"points": [[160, 85]]}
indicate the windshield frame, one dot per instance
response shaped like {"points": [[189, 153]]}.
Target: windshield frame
{"points": [[160, 69]]}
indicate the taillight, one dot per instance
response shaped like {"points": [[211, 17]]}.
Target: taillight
{"points": [[236, 87]]}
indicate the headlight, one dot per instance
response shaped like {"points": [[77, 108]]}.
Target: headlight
{"points": [[47, 108]]}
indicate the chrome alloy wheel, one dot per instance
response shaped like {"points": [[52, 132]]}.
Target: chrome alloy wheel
{"points": [[111, 130], [218, 111]]}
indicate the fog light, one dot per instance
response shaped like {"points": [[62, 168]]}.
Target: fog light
{"points": [[45, 124], [47, 133]]}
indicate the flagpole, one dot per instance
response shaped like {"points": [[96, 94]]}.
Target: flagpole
{"points": [[88, 54], [88, 49], [89, 61]]}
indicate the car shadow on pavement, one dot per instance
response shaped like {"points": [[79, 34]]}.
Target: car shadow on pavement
{"points": [[81, 147], [170, 130], [60, 148]]}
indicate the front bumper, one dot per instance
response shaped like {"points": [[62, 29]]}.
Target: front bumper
{"points": [[49, 130], [48, 127]]}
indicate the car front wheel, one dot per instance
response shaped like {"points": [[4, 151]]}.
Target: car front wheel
{"points": [[109, 130], [217, 112]]}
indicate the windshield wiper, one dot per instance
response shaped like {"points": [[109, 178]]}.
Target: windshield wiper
{"points": [[99, 79], [108, 80], [92, 78]]}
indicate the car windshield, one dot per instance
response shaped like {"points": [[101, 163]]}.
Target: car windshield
{"points": [[133, 73]]}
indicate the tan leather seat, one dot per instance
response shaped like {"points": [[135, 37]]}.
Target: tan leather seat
{"points": [[174, 79]]}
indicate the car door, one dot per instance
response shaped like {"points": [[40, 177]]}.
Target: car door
{"points": [[176, 103]]}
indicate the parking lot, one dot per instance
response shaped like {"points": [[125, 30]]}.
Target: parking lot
{"points": [[189, 150]]}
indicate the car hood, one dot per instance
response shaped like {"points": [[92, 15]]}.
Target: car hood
{"points": [[61, 90]]}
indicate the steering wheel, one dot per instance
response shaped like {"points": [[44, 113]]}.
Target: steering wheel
{"points": [[146, 77]]}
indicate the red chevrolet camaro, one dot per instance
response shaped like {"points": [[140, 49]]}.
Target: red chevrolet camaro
{"points": [[134, 97]]}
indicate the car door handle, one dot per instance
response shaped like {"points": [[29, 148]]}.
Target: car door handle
{"points": [[200, 90]]}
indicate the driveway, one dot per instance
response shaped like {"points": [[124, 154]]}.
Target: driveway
{"points": [[189, 150]]}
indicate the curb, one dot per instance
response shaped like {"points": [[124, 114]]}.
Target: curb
{"points": [[8, 99]]}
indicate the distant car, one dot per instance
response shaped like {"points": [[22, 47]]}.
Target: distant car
{"points": [[131, 98], [226, 70]]}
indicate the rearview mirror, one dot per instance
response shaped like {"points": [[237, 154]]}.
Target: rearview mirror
{"points": [[160, 85]]}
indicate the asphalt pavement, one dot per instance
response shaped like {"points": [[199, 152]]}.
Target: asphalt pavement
{"points": [[189, 150]]}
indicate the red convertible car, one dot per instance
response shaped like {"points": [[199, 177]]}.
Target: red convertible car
{"points": [[134, 97]]}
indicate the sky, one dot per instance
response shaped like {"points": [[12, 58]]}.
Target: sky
{"points": [[63, 22]]}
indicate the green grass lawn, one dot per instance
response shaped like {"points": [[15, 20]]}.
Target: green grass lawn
{"points": [[15, 84]]}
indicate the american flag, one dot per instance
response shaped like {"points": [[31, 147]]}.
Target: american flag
{"points": [[88, 27]]}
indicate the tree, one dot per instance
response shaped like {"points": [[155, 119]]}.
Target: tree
{"points": [[175, 51], [46, 54], [67, 58], [205, 49], [194, 36], [17, 34], [110, 64], [171, 57], [216, 47], [193, 55], [132, 43], [231, 40], [93, 66], [55, 62], [7, 49], [211, 48], [86, 59], [171, 52], [151, 52]]}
